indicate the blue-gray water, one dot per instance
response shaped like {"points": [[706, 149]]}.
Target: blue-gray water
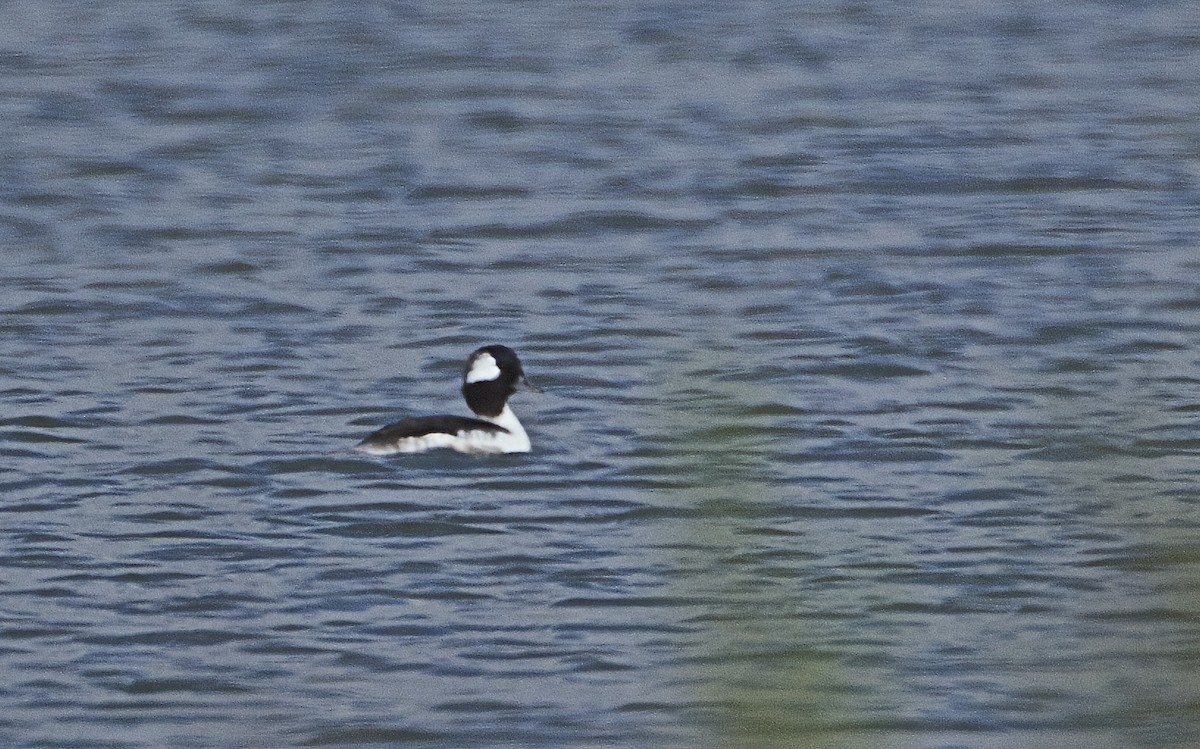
{"points": [[869, 331]]}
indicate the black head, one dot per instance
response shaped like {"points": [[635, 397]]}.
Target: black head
{"points": [[492, 374]]}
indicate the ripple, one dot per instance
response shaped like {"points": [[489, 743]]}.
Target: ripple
{"points": [[871, 405]]}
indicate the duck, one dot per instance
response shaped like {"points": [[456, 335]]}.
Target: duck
{"points": [[491, 376]]}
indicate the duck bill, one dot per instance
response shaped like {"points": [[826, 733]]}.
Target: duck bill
{"points": [[525, 384]]}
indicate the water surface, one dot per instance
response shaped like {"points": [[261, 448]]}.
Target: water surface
{"points": [[869, 333]]}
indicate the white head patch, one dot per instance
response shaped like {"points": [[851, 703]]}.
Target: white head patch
{"points": [[483, 368]]}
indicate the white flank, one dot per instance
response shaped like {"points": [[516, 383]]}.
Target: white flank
{"points": [[409, 444], [483, 368], [515, 440]]}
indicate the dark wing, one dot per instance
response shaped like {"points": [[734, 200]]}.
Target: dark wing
{"points": [[420, 426]]}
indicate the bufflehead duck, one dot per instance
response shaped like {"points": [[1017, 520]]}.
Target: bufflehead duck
{"points": [[492, 374]]}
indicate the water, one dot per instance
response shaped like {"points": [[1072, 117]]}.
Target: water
{"points": [[869, 332]]}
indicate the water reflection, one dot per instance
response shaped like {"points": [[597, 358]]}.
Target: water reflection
{"points": [[760, 677]]}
